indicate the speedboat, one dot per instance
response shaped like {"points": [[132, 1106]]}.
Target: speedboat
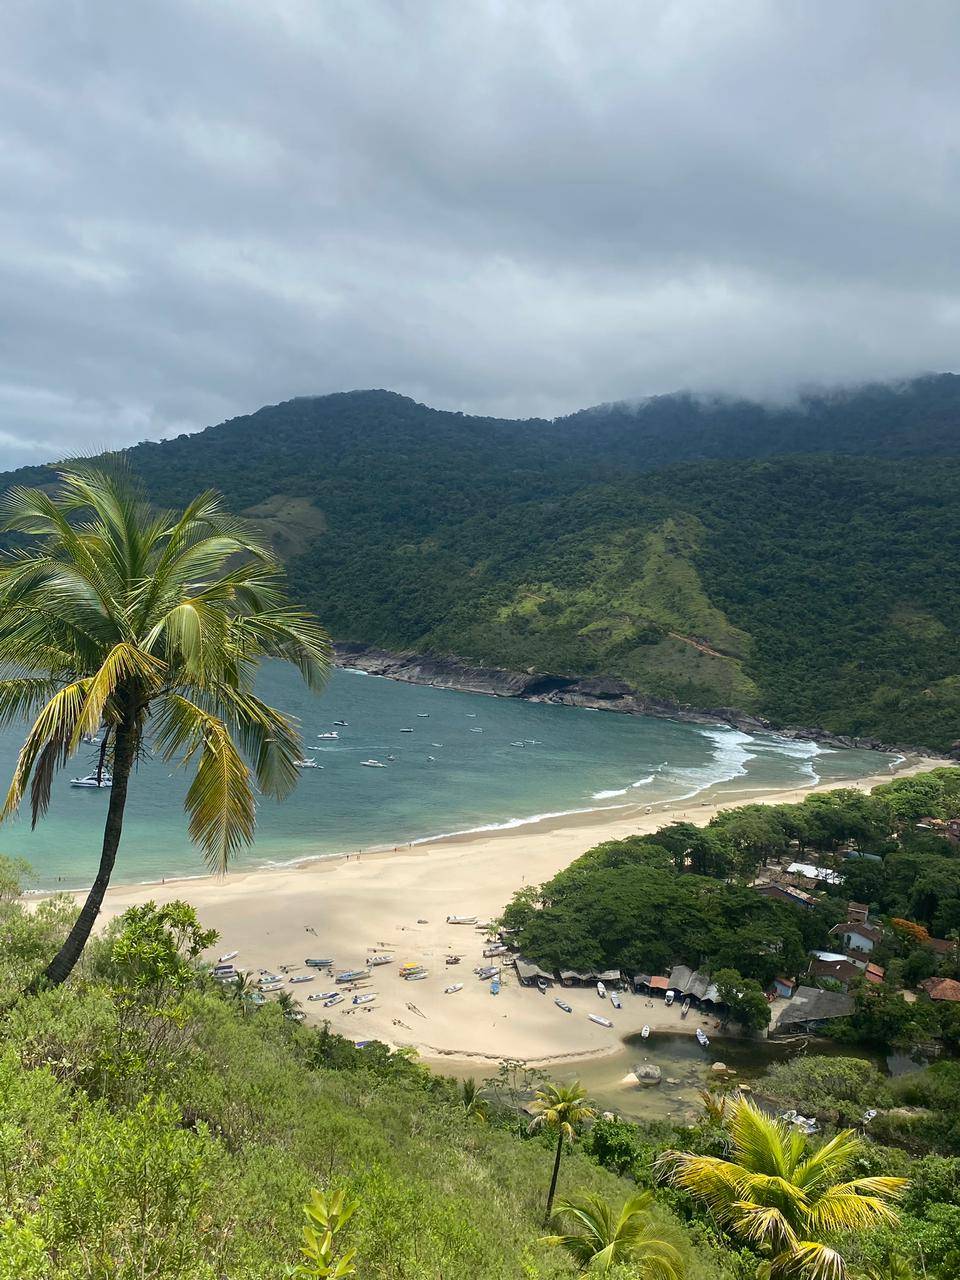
{"points": [[341, 723], [328, 736], [601, 1022], [373, 764], [645, 1032], [436, 744], [432, 758], [365, 998], [231, 955], [457, 986], [702, 1038], [423, 715], [615, 1000], [562, 1004], [308, 763], [601, 991], [303, 977], [92, 780], [668, 999]]}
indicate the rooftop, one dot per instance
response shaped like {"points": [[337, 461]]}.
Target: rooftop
{"points": [[809, 1004], [941, 989]]}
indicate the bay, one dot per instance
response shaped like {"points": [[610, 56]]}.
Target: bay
{"points": [[570, 761]]}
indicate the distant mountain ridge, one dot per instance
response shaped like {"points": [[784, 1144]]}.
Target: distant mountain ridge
{"points": [[798, 562]]}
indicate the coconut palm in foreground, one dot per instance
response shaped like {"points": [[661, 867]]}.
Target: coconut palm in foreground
{"points": [[600, 1238], [119, 618], [564, 1108], [783, 1196]]}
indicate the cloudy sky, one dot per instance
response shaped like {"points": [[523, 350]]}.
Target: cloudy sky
{"points": [[505, 206]]}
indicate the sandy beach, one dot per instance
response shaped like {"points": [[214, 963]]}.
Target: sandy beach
{"points": [[398, 901]]}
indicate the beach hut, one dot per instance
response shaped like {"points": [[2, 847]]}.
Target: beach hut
{"points": [[573, 978], [610, 977], [528, 972], [810, 1009], [659, 985]]}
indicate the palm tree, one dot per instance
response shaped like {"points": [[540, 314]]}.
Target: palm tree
{"points": [[781, 1195], [288, 1005], [893, 1267], [601, 1238], [473, 1104], [563, 1107], [119, 617]]}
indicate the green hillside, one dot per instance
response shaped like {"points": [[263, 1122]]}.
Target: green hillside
{"points": [[796, 562]]}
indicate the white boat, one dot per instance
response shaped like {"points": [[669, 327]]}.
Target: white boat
{"points": [[341, 723], [365, 998], [601, 1022], [461, 919], [406, 731], [328, 736], [323, 995], [645, 1033], [702, 1038], [457, 986], [270, 986], [668, 999], [308, 763], [562, 1004], [685, 1008], [423, 715], [615, 1000], [518, 744], [373, 764], [375, 960], [91, 780], [319, 962], [471, 715], [353, 975], [334, 999], [436, 744], [416, 977], [303, 977], [476, 729], [601, 991], [231, 955], [433, 758]]}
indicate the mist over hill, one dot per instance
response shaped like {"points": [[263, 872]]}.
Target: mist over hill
{"points": [[797, 561]]}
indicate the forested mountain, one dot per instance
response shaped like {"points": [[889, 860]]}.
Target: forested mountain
{"points": [[795, 561]]}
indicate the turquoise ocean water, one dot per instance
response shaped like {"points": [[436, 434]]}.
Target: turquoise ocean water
{"points": [[572, 760]]}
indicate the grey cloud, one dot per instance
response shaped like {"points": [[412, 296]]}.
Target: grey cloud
{"points": [[516, 208]]}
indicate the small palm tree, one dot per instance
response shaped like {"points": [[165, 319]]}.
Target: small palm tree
{"points": [[116, 618], [563, 1108], [784, 1197], [474, 1105], [288, 1005], [601, 1238], [893, 1267]]}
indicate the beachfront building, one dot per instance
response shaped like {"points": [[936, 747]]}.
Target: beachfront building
{"points": [[686, 982], [529, 973], [809, 1009], [651, 984]]}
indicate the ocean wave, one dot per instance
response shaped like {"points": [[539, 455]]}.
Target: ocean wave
{"points": [[609, 795], [729, 760]]}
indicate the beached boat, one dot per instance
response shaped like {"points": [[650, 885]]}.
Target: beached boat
{"points": [[365, 998], [495, 987], [336, 998], [685, 1008], [702, 1038], [601, 991], [373, 764], [453, 959], [270, 986], [457, 986], [461, 919], [668, 999], [351, 975], [495, 949], [327, 737], [645, 1032], [615, 1000], [303, 977], [91, 780], [486, 971], [416, 977], [308, 763], [231, 955], [562, 1004], [542, 984], [319, 963], [322, 995], [601, 1022], [373, 961]]}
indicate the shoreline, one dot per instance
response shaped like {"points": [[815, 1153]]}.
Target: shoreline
{"points": [[398, 901]]}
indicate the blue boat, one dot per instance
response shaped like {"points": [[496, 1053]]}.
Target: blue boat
{"points": [[495, 987]]}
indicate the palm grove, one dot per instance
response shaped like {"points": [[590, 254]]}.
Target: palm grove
{"points": [[135, 1088]]}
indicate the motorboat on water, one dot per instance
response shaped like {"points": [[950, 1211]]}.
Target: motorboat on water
{"points": [[342, 723], [328, 737], [645, 1032], [685, 1008], [601, 991], [702, 1038], [104, 779], [423, 715], [601, 1022], [449, 991], [562, 1004], [668, 999], [308, 763], [373, 764], [518, 744], [476, 729], [432, 758], [406, 731]]}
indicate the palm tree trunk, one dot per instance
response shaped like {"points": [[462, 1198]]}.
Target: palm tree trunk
{"points": [[553, 1181], [63, 963]]}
